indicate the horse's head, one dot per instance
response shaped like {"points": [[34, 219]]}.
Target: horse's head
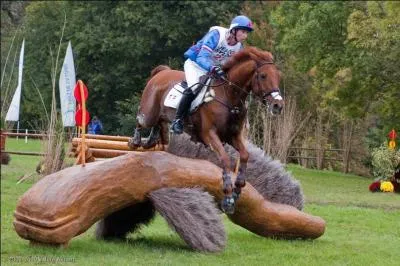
{"points": [[259, 74], [265, 83]]}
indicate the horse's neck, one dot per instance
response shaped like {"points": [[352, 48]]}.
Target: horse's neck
{"points": [[241, 76]]}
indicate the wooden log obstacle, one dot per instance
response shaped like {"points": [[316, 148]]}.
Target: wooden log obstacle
{"points": [[67, 203], [105, 146]]}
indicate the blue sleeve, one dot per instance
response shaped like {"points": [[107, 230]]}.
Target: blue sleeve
{"points": [[210, 42]]}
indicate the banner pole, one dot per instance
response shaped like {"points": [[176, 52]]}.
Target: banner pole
{"points": [[83, 150]]}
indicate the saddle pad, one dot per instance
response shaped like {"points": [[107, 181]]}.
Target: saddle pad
{"points": [[200, 97], [175, 94]]}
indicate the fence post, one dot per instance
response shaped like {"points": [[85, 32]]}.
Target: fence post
{"points": [[26, 136], [17, 129]]}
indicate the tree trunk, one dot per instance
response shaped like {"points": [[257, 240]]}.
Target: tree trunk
{"points": [[347, 135]]}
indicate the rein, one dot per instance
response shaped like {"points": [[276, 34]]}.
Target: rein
{"points": [[235, 109]]}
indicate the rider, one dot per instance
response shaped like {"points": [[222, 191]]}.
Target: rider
{"points": [[208, 55]]}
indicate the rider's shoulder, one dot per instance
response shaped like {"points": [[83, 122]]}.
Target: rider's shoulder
{"points": [[218, 29]]}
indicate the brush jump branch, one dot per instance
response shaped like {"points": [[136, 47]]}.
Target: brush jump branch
{"points": [[67, 203], [82, 116]]}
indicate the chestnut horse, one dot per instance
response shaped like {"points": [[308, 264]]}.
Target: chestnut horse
{"points": [[219, 121]]}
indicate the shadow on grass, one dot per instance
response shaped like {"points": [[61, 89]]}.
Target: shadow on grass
{"points": [[158, 243], [145, 244]]}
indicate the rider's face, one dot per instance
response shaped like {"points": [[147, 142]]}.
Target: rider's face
{"points": [[241, 35]]}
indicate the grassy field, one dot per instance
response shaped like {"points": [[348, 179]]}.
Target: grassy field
{"points": [[362, 229]]}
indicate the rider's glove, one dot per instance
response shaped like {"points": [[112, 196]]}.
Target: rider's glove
{"points": [[217, 71]]}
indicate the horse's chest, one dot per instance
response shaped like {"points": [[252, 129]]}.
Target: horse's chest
{"points": [[231, 128]]}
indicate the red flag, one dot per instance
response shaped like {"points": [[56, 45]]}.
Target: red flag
{"points": [[77, 92], [392, 134], [79, 116]]}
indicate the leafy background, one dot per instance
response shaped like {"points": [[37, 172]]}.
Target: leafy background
{"points": [[340, 60]]}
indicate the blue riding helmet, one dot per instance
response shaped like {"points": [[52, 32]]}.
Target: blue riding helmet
{"points": [[241, 22]]}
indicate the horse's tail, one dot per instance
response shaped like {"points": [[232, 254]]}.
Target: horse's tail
{"points": [[158, 69]]}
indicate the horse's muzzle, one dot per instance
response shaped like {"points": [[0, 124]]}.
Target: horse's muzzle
{"points": [[276, 109]]}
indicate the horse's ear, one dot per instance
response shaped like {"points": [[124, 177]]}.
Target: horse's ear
{"points": [[253, 56], [269, 56]]}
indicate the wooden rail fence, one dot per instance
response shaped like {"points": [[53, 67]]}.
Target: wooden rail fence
{"points": [[105, 146]]}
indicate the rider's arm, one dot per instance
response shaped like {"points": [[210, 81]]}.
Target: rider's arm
{"points": [[210, 42]]}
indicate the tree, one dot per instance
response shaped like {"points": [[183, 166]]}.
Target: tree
{"points": [[115, 44]]}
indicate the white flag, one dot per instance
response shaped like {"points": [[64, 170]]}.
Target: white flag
{"points": [[66, 85], [13, 110]]}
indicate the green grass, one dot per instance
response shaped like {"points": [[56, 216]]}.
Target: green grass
{"points": [[13, 144], [362, 229], [328, 187]]}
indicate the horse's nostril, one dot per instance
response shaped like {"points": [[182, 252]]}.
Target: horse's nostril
{"points": [[276, 108]]}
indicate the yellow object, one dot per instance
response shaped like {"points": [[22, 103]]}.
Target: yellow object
{"points": [[387, 186], [392, 144]]}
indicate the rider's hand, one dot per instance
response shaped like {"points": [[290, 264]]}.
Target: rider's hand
{"points": [[217, 71]]}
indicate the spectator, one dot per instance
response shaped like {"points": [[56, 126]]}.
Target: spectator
{"points": [[95, 126]]}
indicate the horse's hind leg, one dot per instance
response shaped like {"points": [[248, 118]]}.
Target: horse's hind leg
{"points": [[136, 140], [164, 136], [153, 137]]}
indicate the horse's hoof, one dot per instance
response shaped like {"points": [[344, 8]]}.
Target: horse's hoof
{"points": [[149, 145], [240, 183], [226, 184], [236, 194], [227, 188], [228, 205], [133, 144]]}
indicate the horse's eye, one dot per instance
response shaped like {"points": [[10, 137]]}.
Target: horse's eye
{"points": [[263, 76]]}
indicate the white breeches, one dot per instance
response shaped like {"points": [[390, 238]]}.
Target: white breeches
{"points": [[193, 72]]}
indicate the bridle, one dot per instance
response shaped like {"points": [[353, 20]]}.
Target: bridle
{"points": [[264, 98], [275, 93]]}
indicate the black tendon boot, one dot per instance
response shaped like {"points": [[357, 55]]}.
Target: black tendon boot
{"points": [[183, 109]]}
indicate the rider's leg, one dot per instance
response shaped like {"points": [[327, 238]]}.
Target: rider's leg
{"points": [[193, 72], [183, 108]]}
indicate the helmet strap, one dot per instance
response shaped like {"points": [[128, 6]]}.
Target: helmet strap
{"points": [[234, 32]]}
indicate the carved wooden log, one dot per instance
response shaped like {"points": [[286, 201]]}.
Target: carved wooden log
{"points": [[67, 203]]}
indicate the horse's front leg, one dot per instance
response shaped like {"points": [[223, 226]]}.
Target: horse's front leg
{"points": [[212, 139], [240, 182]]}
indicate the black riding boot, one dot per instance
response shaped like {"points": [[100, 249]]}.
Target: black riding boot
{"points": [[182, 111]]}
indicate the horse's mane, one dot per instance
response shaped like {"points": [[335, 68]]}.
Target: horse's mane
{"points": [[248, 53]]}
